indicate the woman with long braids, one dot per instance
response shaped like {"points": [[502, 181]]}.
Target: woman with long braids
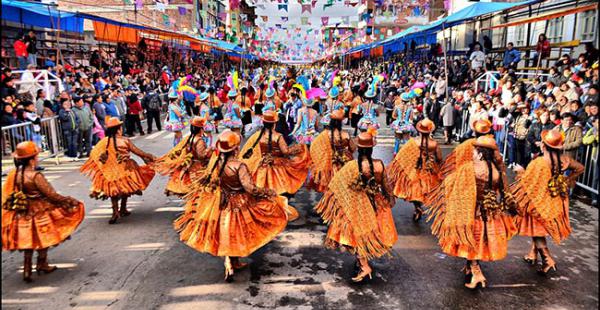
{"points": [[358, 208], [274, 165], [113, 173], [226, 214], [245, 105], [542, 192], [471, 212], [34, 216], [260, 99], [357, 109], [233, 115], [331, 105], [185, 161], [463, 153], [205, 112], [329, 152], [215, 107], [176, 117], [415, 169]]}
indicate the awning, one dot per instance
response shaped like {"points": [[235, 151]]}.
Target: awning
{"points": [[546, 16], [40, 15], [114, 33]]}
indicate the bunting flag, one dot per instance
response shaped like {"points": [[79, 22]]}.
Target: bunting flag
{"points": [[182, 10], [161, 7], [127, 2], [165, 18], [282, 7], [306, 8], [304, 20], [353, 4], [325, 20], [284, 18], [139, 4], [234, 4], [190, 1], [314, 3], [222, 16]]}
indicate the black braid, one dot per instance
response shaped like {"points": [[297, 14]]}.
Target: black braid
{"points": [[556, 166], [424, 145], [194, 131], [225, 159], [249, 152], [22, 163], [490, 159], [362, 154], [111, 133]]}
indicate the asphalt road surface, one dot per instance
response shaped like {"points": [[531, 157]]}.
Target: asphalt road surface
{"points": [[140, 263]]}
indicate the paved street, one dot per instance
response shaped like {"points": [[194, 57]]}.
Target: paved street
{"points": [[140, 263]]}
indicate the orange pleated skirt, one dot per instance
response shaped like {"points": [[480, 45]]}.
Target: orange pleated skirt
{"points": [[237, 228], [528, 226], [491, 240], [284, 175], [415, 188], [180, 180], [44, 225], [132, 181], [340, 234]]}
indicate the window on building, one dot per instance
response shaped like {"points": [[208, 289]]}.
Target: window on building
{"points": [[587, 22], [520, 35], [555, 29]]}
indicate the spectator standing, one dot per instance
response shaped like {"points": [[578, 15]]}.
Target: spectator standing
{"points": [[32, 50], [70, 127], [477, 58], [534, 136], [591, 139], [521, 129], [86, 123], [152, 104], [573, 134], [511, 56], [388, 104], [99, 108], [542, 49], [8, 117], [448, 115], [134, 109], [20, 47]]}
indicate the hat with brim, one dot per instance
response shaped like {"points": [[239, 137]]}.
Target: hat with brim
{"points": [[232, 93], [25, 149], [112, 122], [309, 102], [270, 117], [425, 126], [553, 139], [371, 92], [228, 141], [198, 121], [334, 92], [405, 97], [203, 96], [270, 92], [487, 142], [365, 140], [482, 126]]}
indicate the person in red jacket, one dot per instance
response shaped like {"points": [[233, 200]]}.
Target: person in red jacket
{"points": [[134, 109], [543, 49], [21, 51]]}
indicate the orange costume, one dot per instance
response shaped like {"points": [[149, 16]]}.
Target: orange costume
{"points": [[34, 216], [414, 172], [113, 172], [275, 165], [463, 153], [226, 214], [184, 161], [543, 197], [469, 212], [329, 152], [358, 208]]}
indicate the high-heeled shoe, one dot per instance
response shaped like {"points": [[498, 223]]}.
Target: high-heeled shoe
{"points": [[477, 278], [237, 264], [531, 257], [548, 264], [362, 275], [467, 271], [42, 264]]}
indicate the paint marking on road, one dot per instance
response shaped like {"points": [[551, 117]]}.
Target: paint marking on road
{"points": [[146, 246], [39, 290], [513, 285], [101, 295], [169, 209], [15, 301]]}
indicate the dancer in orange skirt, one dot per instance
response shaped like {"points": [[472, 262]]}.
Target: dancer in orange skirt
{"points": [[329, 152], [226, 214], [34, 216], [463, 153], [542, 192], [275, 165], [470, 212], [358, 208], [415, 169], [186, 160], [114, 174]]}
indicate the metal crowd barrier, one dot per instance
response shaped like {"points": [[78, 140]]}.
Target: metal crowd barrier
{"points": [[589, 179], [49, 138]]}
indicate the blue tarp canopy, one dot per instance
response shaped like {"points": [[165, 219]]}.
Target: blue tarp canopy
{"points": [[40, 15]]}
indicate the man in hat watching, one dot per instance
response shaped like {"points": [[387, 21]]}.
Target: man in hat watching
{"points": [[573, 134]]}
